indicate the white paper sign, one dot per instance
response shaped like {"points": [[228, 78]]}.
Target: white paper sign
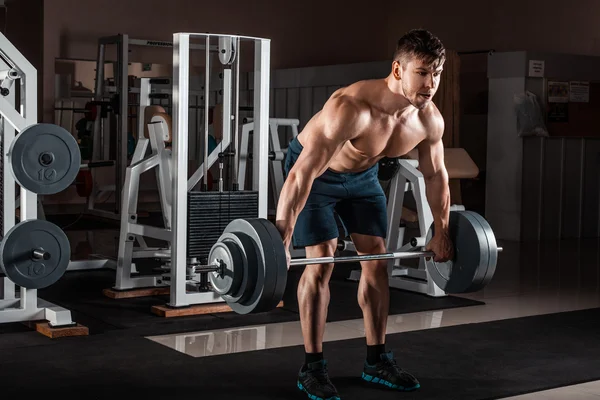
{"points": [[579, 92], [536, 68]]}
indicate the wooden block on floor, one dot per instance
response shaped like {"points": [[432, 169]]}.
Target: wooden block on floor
{"points": [[45, 329], [140, 292], [199, 309]]}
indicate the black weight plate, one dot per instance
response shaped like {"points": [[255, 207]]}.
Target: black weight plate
{"points": [[16, 253], [281, 265], [45, 158], [493, 250], [470, 254], [242, 227], [270, 262]]}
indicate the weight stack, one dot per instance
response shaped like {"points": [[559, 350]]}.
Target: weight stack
{"points": [[210, 212]]}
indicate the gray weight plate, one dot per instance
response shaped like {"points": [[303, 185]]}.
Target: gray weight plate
{"points": [[270, 263], [16, 253], [470, 254], [281, 264], [493, 250], [249, 268], [226, 253], [485, 253], [45, 158], [242, 227]]}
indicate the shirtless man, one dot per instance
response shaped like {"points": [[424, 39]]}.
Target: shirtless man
{"points": [[331, 167]]}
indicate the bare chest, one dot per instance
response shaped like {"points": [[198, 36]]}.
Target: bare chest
{"points": [[385, 139]]}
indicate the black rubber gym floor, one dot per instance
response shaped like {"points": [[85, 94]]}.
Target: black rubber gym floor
{"points": [[473, 361]]}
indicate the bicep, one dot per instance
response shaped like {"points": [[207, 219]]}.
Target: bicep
{"points": [[431, 157], [431, 151]]}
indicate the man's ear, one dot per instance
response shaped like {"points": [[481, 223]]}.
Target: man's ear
{"points": [[397, 70]]}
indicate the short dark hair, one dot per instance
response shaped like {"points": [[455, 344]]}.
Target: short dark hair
{"points": [[420, 44]]}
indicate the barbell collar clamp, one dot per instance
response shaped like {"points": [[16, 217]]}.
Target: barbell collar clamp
{"points": [[199, 269], [40, 254]]}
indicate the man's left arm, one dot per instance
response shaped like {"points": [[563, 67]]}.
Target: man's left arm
{"points": [[431, 165]]}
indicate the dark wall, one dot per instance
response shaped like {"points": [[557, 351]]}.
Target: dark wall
{"points": [[23, 23]]}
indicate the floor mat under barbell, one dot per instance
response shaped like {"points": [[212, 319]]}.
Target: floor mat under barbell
{"points": [[81, 292]]}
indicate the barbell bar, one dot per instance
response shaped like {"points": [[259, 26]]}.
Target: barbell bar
{"points": [[397, 255]]}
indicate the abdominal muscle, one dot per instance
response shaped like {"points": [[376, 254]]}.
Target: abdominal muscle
{"points": [[352, 157]]}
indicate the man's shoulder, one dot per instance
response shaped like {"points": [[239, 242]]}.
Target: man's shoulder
{"points": [[431, 118], [347, 105]]}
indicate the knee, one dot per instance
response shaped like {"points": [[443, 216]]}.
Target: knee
{"points": [[316, 276], [375, 268]]}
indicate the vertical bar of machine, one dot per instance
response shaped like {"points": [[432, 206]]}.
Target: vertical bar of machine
{"points": [[181, 53], [123, 120], [206, 111], [236, 120], [98, 91], [8, 180], [260, 173], [29, 110], [144, 102], [226, 116]]}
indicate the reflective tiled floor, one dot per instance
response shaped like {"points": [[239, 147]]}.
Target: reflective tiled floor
{"points": [[530, 279]]}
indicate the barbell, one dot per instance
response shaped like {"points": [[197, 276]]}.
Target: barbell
{"points": [[247, 265]]}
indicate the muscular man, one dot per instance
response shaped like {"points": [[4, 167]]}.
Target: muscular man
{"points": [[331, 167]]}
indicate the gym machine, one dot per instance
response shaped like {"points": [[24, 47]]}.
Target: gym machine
{"points": [[193, 218]]}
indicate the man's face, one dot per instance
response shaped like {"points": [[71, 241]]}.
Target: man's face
{"points": [[419, 80]]}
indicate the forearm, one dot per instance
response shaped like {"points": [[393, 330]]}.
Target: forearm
{"points": [[292, 199], [438, 197]]}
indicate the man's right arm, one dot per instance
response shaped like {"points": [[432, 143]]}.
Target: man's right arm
{"points": [[339, 121]]}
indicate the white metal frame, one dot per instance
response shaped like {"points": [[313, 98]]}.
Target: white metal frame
{"points": [[100, 143], [131, 230], [402, 277], [26, 306], [277, 154], [179, 296], [160, 159]]}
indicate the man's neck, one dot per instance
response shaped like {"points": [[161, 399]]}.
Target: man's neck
{"points": [[394, 100]]}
